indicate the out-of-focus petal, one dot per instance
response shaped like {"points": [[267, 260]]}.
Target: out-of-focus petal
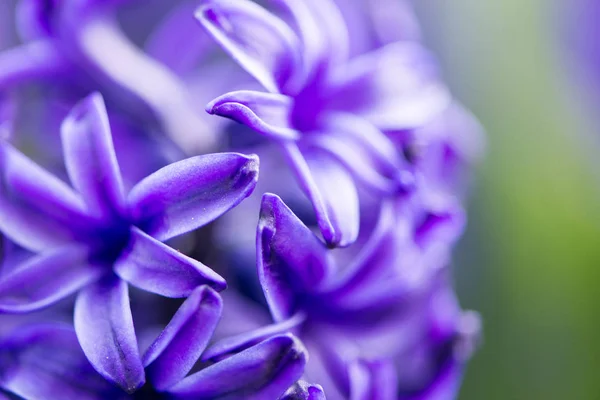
{"points": [[37, 210], [322, 30], [237, 343], [191, 193], [45, 362], [287, 267], [38, 60], [264, 371], [129, 77], [155, 267], [259, 41], [373, 380], [266, 113], [178, 42], [104, 327], [304, 391], [180, 344], [332, 192], [365, 151], [90, 156], [395, 87], [45, 279]]}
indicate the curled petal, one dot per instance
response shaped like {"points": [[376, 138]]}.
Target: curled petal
{"points": [[191, 193], [395, 87], [46, 362], [104, 327], [180, 344], [90, 156], [304, 391], [287, 267], [258, 40], [266, 113], [37, 210], [155, 267], [332, 192], [264, 371], [45, 279]]}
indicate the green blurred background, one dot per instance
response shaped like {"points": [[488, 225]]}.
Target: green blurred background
{"points": [[530, 260]]}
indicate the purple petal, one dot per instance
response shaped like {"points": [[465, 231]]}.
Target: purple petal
{"points": [[264, 371], [322, 30], [259, 41], [266, 113], [155, 267], [47, 363], [129, 77], [287, 267], [304, 391], [365, 151], [90, 156], [395, 87], [39, 60], [237, 343], [191, 193], [37, 210], [180, 344], [373, 380], [104, 327], [445, 386], [45, 279], [332, 192], [178, 42]]}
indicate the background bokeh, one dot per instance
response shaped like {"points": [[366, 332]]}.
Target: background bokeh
{"points": [[530, 261]]}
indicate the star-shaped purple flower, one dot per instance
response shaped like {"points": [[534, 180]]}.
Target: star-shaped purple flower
{"points": [[46, 362], [97, 238], [326, 111]]}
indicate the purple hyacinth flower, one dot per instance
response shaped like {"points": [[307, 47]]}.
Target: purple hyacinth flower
{"points": [[98, 238], [387, 309], [263, 371], [327, 112]]}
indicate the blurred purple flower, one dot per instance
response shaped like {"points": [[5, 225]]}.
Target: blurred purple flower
{"points": [[325, 111], [389, 309], [79, 45], [98, 239]]}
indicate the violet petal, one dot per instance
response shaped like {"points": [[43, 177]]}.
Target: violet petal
{"points": [[264, 371], [286, 266], [266, 113], [104, 327], [155, 267], [242, 341], [191, 193], [395, 87], [45, 279], [180, 344], [332, 192], [259, 41], [37, 210], [90, 156]]}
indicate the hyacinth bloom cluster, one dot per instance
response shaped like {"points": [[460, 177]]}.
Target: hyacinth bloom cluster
{"points": [[136, 280]]}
